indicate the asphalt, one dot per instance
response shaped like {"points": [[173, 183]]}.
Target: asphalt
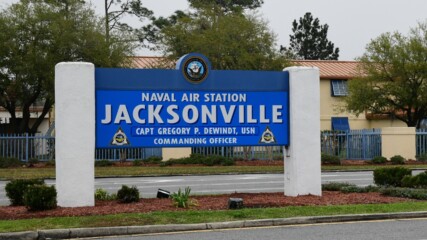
{"points": [[150, 229]]}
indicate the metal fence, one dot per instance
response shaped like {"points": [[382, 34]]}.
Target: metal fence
{"points": [[41, 147], [25, 147], [243, 152], [421, 141], [354, 144]]}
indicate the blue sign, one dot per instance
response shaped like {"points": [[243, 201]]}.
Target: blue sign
{"points": [[191, 106]]}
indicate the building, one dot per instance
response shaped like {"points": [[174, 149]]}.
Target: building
{"points": [[334, 77]]}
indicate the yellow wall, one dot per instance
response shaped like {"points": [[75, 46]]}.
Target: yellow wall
{"points": [[333, 107]]}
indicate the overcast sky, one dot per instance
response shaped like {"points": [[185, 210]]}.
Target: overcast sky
{"points": [[352, 24]]}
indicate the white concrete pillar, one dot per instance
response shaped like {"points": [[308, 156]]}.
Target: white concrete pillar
{"points": [[302, 160], [75, 133]]}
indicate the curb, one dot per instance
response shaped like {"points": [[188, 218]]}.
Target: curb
{"points": [[131, 230]]}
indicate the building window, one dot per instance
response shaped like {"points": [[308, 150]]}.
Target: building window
{"points": [[339, 88], [340, 124]]}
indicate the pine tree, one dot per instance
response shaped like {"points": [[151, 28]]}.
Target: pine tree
{"points": [[310, 41]]}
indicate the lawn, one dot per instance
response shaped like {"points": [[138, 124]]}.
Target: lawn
{"points": [[191, 216], [19, 173]]}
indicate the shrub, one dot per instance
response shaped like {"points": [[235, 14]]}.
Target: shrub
{"points": [[137, 162], [330, 159], [166, 163], [103, 163], [357, 189], [15, 189], [418, 181], [40, 197], [422, 157], [154, 159], [379, 160], [228, 162], [390, 176], [200, 159], [335, 186], [182, 199], [51, 163], [9, 162], [33, 160], [422, 179], [128, 194], [409, 181], [420, 194], [102, 195], [397, 160]]}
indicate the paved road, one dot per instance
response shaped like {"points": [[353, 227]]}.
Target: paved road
{"points": [[213, 184], [410, 229]]}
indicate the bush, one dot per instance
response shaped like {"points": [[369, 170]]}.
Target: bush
{"points": [[228, 162], [103, 163], [33, 160], [182, 199], [397, 160], [154, 159], [420, 194], [102, 195], [15, 189], [128, 194], [409, 181], [390, 176], [9, 162], [335, 186], [418, 181], [51, 163], [200, 159], [357, 189], [40, 197], [422, 157], [330, 159], [137, 162], [379, 160]]}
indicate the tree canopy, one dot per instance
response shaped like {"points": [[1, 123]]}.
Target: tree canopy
{"points": [[394, 77], [309, 40], [231, 40], [116, 10], [38, 34]]}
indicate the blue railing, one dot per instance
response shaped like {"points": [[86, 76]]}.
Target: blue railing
{"points": [[243, 152], [25, 147], [42, 147], [421, 141], [354, 144]]}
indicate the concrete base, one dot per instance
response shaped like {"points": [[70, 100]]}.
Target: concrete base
{"points": [[75, 134], [302, 160]]}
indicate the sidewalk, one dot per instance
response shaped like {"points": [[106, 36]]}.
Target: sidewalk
{"points": [[130, 230]]}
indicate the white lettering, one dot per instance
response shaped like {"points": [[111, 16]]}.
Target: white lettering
{"points": [[107, 118], [122, 115], [186, 114]]}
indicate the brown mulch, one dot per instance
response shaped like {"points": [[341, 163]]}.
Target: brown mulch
{"points": [[216, 202]]}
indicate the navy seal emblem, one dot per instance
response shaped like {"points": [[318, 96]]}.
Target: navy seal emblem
{"points": [[195, 70]]}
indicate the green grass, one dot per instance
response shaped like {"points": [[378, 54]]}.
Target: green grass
{"points": [[19, 173], [185, 217], [26, 173], [368, 167]]}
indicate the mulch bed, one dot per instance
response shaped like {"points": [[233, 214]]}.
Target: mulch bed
{"points": [[216, 202]]}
